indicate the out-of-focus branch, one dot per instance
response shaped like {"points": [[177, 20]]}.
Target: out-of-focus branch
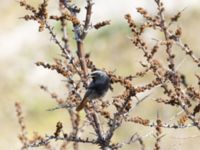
{"points": [[23, 135]]}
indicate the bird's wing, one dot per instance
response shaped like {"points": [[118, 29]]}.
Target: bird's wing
{"points": [[96, 86]]}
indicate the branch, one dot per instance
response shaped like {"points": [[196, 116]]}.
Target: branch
{"points": [[64, 51], [134, 138], [165, 31], [48, 139], [87, 19]]}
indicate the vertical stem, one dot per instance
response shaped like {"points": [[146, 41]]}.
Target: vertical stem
{"points": [[81, 56]]}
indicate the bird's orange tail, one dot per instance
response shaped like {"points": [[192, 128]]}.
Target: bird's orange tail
{"points": [[82, 104]]}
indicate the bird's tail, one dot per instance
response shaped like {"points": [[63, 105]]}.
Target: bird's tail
{"points": [[82, 104]]}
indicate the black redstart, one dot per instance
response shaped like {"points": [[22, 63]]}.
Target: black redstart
{"points": [[97, 88]]}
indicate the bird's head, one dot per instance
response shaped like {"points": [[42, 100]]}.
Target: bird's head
{"points": [[98, 75]]}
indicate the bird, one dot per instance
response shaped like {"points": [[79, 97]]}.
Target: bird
{"points": [[97, 88]]}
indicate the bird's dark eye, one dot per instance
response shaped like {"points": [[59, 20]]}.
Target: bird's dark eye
{"points": [[93, 77]]}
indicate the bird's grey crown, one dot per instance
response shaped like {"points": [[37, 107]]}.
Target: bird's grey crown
{"points": [[98, 73]]}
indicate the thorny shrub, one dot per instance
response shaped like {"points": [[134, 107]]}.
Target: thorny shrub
{"points": [[115, 111]]}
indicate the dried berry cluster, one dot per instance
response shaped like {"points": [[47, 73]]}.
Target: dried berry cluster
{"points": [[116, 110]]}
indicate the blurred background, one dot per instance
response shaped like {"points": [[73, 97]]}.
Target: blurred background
{"points": [[21, 45]]}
